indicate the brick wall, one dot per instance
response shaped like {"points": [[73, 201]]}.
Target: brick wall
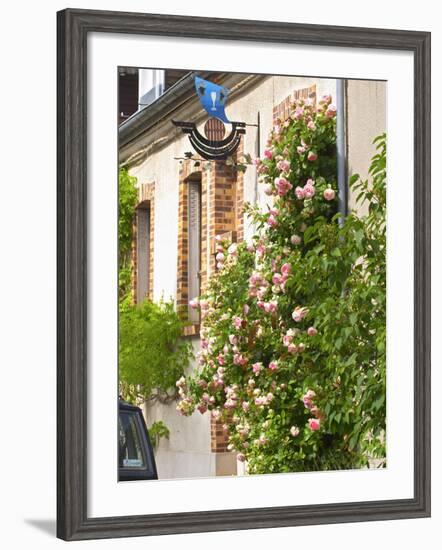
{"points": [[218, 437], [281, 112]]}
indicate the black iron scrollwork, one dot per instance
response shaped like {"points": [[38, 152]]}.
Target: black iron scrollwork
{"points": [[213, 149]]}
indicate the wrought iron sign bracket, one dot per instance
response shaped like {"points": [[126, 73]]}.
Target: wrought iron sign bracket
{"points": [[213, 149]]}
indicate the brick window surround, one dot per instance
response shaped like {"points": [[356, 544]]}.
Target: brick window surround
{"points": [[146, 200], [222, 190]]}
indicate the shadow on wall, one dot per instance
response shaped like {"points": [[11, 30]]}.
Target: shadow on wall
{"points": [[48, 526]]}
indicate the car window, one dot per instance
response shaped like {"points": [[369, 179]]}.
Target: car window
{"points": [[130, 449]]}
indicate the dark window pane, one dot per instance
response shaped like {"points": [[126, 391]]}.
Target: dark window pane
{"points": [[130, 451]]}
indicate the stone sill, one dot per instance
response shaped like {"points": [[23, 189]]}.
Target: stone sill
{"points": [[191, 330]]}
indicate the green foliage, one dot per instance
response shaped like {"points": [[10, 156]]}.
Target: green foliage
{"points": [[294, 323], [152, 352], [157, 431], [127, 199]]}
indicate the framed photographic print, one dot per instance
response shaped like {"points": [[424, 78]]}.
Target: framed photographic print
{"points": [[243, 274]]}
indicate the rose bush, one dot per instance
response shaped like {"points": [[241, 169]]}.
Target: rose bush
{"points": [[292, 357]]}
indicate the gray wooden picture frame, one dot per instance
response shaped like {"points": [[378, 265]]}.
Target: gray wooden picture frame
{"points": [[73, 28]]}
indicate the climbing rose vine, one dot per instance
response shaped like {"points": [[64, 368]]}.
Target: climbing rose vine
{"points": [[292, 358]]}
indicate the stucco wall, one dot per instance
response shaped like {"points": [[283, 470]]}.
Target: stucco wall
{"points": [[366, 119]]}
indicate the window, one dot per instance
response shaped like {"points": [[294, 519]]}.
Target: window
{"points": [[194, 242], [136, 459], [130, 451], [143, 252]]}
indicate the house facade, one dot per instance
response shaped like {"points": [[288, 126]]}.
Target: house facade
{"points": [[184, 203]]}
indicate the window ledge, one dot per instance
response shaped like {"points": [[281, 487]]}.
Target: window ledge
{"points": [[191, 330]]}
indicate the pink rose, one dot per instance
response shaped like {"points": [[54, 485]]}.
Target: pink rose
{"points": [[233, 339], [239, 359], [299, 192], [257, 161], [329, 194], [309, 191], [312, 156], [237, 322], [299, 313], [277, 279], [283, 165], [314, 424], [282, 186], [270, 307], [273, 365], [245, 406], [311, 331], [294, 430], [311, 125], [297, 115], [272, 221], [241, 457], [300, 149], [307, 398], [268, 154], [287, 339], [286, 269], [257, 368], [261, 293], [296, 240], [202, 408], [325, 99], [292, 348], [331, 111], [194, 304]]}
